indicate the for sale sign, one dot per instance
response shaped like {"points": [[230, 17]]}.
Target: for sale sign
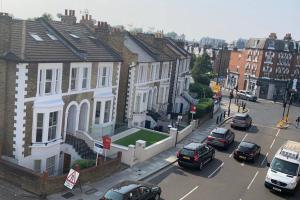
{"points": [[193, 109], [98, 147], [106, 140], [71, 179]]}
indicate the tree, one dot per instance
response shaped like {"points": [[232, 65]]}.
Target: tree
{"points": [[172, 35], [46, 16], [202, 69]]}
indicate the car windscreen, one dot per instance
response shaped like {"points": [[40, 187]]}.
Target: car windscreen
{"points": [[187, 152], [239, 118], [112, 195], [284, 167], [217, 135]]}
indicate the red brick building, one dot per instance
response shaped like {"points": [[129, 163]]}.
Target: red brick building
{"points": [[265, 66]]}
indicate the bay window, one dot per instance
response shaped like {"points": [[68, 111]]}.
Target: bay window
{"points": [[103, 111], [49, 79], [52, 126], [39, 127]]}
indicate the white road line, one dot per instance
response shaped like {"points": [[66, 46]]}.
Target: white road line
{"points": [[263, 161], [277, 132], [230, 155], [244, 137], [252, 180], [242, 164], [272, 143], [195, 188], [216, 170]]}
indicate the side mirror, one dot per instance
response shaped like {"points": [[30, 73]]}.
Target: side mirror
{"points": [[268, 164]]}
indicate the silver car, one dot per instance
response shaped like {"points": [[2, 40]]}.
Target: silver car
{"points": [[247, 95], [241, 120]]}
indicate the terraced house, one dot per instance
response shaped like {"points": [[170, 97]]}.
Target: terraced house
{"points": [[58, 83]]}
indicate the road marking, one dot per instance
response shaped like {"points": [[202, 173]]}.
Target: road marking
{"points": [[272, 143], [216, 170], [252, 180], [266, 157], [195, 188], [230, 155], [277, 132], [242, 164]]}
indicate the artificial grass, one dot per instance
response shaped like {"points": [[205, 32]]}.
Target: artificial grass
{"points": [[148, 136]]}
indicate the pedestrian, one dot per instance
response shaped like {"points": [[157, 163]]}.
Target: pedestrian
{"points": [[297, 121]]}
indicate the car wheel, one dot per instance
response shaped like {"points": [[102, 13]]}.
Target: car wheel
{"points": [[201, 166], [157, 197]]}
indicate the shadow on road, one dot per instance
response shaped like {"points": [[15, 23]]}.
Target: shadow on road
{"points": [[257, 163]]}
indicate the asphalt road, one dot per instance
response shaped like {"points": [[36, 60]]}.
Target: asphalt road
{"points": [[227, 179]]}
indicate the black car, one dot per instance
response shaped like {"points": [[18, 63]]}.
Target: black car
{"points": [[247, 151], [195, 155], [221, 137], [133, 190]]}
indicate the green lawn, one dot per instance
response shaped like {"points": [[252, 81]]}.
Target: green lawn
{"points": [[148, 136]]}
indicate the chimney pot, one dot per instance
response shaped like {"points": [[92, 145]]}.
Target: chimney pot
{"points": [[86, 16], [90, 17], [98, 24], [82, 17], [66, 12]]}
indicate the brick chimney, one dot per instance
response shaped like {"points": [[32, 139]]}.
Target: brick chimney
{"points": [[102, 29], [159, 34], [288, 36], [69, 17], [87, 20], [273, 36], [5, 32]]}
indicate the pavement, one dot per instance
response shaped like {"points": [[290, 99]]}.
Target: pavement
{"points": [[226, 178], [144, 170]]}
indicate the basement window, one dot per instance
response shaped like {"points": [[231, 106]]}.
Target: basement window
{"points": [[36, 37]]}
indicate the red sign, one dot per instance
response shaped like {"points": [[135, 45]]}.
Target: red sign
{"points": [[106, 142], [193, 109]]}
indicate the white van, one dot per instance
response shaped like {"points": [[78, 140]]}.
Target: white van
{"points": [[283, 174]]}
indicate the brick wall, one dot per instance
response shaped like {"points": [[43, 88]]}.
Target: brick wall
{"points": [[32, 80], [2, 98], [5, 30], [28, 128]]}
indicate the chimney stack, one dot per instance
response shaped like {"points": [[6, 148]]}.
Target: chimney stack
{"points": [[273, 36], [288, 36], [69, 19], [5, 32], [103, 30], [87, 20]]}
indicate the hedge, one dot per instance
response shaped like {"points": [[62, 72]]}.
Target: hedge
{"points": [[205, 105], [83, 164]]}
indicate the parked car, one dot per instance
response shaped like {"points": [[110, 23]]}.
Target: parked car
{"points": [[195, 155], [128, 190], [220, 137], [247, 151], [241, 120], [247, 95]]}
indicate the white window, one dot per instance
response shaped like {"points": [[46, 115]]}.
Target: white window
{"points": [[36, 37], [50, 165], [107, 111], [80, 76], [165, 71], [157, 71], [37, 166], [161, 95], [103, 111], [142, 73], [52, 129], [85, 74], [144, 97], [138, 103], [49, 79], [98, 112], [39, 127], [74, 78], [104, 78], [52, 37]]}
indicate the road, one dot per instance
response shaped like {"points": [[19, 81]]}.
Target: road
{"points": [[227, 179]]}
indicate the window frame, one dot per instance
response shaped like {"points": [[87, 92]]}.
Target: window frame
{"points": [[109, 76], [80, 67], [103, 101]]}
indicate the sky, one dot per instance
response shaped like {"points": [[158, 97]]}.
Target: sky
{"points": [[224, 19]]}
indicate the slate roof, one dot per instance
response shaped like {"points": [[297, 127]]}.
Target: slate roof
{"points": [[178, 48], [24, 48], [279, 45]]}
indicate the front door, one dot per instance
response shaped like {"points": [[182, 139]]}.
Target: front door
{"points": [[147, 124], [67, 163], [181, 108]]}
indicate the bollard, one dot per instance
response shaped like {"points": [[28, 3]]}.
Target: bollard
{"points": [[217, 120], [238, 108]]}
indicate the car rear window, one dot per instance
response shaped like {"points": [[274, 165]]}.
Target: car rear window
{"points": [[244, 149], [217, 135], [187, 152], [112, 195]]}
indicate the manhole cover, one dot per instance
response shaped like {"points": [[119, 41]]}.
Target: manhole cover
{"points": [[67, 195], [91, 191]]}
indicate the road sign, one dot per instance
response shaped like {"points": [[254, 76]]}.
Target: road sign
{"points": [[193, 109], [106, 142], [98, 147], [71, 179]]}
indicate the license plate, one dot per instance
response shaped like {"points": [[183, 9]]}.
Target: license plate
{"points": [[185, 157], [243, 157], [276, 189]]}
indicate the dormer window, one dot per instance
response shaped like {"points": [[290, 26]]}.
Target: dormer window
{"points": [[52, 37], [36, 37], [271, 45], [286, 47]]}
